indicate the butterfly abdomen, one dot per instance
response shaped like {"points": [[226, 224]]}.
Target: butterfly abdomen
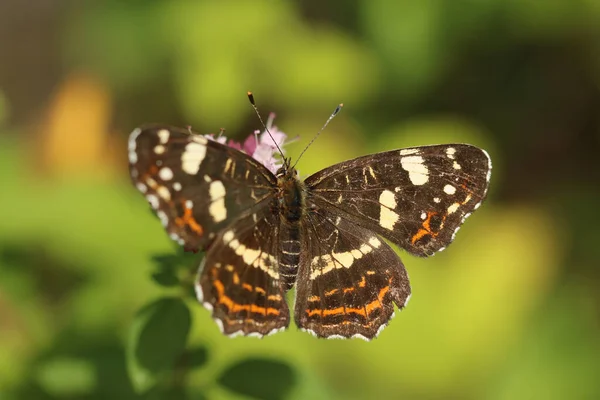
{"points": [[290, 255]]}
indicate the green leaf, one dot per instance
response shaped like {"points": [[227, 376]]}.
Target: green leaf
{"points": [[259, 378], [196, 357], [157, 339], [165, 278], [178, 259], [175, 269]]}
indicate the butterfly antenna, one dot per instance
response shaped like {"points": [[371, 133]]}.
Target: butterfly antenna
{"points": [[251, 98], [333, 114]]}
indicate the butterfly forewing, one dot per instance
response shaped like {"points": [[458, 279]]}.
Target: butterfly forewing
{"points": [[196, 186], [348, 280], [416, 198]]}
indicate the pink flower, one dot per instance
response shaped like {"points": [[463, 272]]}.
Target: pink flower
{"points": [[260, 145]]}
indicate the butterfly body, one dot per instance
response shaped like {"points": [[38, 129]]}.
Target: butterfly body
{"points": [[264, 232]]}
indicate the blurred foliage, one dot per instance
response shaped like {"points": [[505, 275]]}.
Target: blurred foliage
{"points": [[96, 302]]}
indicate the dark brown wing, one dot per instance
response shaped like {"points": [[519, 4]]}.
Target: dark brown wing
{"points": [[240, 279], [417, 197], [196, 186], [348, 279]]}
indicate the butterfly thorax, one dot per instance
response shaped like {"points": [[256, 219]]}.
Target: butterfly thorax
{"points": [[291, 196]]}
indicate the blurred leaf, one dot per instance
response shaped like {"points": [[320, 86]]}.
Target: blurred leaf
{"points": [[67, 377], [196, 357], [55, 278], [180, 258], [259, 378], [158, 337], [176, 269], [165, 278]]}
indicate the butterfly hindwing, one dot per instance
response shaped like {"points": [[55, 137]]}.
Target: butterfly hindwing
{"points": [[416, 198], [239, 280], [195, 185], [348, 279]]}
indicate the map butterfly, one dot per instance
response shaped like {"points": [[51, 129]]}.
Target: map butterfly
{"points": [[265, 230]]}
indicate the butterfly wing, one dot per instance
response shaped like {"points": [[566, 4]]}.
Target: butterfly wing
{"points": [[240, 281], [416, 198], [196, 186], [209, 195], [348, 279]]}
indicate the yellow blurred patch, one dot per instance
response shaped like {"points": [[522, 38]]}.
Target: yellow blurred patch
{"points": [[74, 134]]}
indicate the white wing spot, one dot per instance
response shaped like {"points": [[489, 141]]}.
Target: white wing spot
{"points": [[406, 152], [323, 264], [163, 218], [489, 172], [228, 165], [163, 136], [372, 173], [450, 151], [252, 257], [199, 139], [436, 199], [132, 145], [141, 187], [417, 171], [153, 200], [151, 182], [423, 216], [217, 208], [387, 217], [177, 186], [456, 165], [228, 236], [192, 157], [374, 242], [452, 209], [159, 149], [165, 174], [449, 189], [189, 204], [164, 193]]}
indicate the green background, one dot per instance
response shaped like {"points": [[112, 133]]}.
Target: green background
{"points": [[510, 311]]}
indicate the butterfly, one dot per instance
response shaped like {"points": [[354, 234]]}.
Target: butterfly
{"points": [[264, 230]]}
